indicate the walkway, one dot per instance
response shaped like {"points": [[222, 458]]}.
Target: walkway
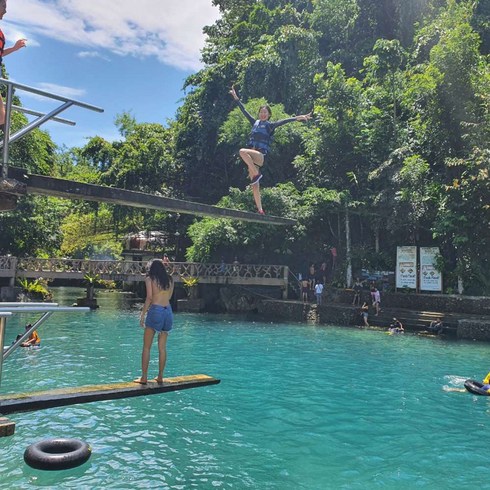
{"points": [[116, 270]]}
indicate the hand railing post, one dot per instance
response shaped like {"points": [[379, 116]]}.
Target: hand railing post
{"points": [[3, 322], [6, 130]]}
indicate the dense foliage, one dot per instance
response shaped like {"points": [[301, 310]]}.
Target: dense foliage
{"points": [[399, 144]]}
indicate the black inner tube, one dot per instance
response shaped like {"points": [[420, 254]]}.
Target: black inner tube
{"points": [[475, 387], [57, 454]]}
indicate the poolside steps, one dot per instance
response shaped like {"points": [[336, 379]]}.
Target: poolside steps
{"points": [[40, 400], [415, 321]]}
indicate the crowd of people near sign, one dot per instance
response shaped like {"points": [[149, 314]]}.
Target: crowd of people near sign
{"points": [[366, 296]]}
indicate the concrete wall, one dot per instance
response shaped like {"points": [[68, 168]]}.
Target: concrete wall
{"points": [[444, 303]]}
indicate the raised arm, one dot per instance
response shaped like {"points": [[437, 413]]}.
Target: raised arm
{"points": [[20, 43], [241, 106], [281, 122]]}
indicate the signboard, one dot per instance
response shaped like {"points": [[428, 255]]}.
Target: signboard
{"points": [[406, 267], [430, 277]]}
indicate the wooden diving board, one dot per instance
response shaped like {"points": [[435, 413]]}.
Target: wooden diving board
{"points": [[69, 189], [61, 397]]}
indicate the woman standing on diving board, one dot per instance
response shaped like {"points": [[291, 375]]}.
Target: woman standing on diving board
{"points": [[259, 142]]}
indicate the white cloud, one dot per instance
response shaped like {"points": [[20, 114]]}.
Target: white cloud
{"points": [[170, 30], [92, 54]]}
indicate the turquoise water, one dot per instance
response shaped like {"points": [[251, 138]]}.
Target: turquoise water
{"points": [[298, 407]]}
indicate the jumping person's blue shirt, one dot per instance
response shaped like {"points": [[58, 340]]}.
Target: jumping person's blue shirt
{"points": [[262, 131]]}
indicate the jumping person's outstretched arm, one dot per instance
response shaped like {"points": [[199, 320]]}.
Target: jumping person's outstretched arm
{"points": [[241, 106], [302, 117]]}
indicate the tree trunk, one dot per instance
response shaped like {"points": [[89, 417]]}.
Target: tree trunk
{"points": [[347, 248]]}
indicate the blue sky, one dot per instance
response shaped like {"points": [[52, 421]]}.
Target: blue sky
{"points": [[120, 55]]}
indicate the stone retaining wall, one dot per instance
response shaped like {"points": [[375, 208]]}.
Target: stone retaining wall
{"points": [[474, 329], [443, 303], [284, 310]]}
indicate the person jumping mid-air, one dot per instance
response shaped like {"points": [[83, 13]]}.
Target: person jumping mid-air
{"points": [[259, 142]]}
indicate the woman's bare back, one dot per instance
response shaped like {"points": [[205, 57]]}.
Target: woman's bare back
{"points": [[160, 296]]}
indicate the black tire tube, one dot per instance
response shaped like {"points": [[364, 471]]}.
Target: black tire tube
{"points": [[57, 454], [475, 387]]}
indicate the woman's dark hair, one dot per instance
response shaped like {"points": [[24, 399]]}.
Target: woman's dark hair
{"points": [[158, 273], [268, 110]]}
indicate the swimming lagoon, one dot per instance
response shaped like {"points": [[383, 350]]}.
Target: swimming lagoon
{"points": [[298, 407]]}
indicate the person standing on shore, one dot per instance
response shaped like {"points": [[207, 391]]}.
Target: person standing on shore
{"points": [[159, 318], [20, 43], [318, 293], [376, 297]]}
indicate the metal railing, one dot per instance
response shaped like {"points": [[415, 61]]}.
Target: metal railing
{"points": [[41, 117], [8, 309], [119, 269]]}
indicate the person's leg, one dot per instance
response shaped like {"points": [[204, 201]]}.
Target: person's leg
{"points": [[162, 355], [145, 356], [252, 159], [257, 198]]}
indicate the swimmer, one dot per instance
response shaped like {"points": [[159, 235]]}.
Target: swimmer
{"points": [[33, 341], [396, 326]]}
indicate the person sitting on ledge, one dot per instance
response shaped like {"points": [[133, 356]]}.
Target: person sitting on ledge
{"points": [[436, 326], [396, 326], [33, 340]]}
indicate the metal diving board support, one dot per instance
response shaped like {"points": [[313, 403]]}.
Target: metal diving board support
{"points": [[31, 112], [62, 397], [41, 119], [46, 311]]}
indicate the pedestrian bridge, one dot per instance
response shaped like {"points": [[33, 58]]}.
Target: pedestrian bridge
{"points": [[134, 271]]}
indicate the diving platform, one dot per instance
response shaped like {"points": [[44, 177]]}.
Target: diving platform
{"points": [[16, 182], [69, 189], [62, 397]]}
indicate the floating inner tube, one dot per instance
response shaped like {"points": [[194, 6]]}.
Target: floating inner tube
{"points": [[57, 454], [475, 387]]}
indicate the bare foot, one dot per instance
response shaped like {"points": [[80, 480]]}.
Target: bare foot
{"points": [[141, 381], [158, 380]]}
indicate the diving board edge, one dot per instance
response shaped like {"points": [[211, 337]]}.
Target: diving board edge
{"points": [[61, 397]]}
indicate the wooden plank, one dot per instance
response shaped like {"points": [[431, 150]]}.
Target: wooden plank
{"points": [[68, 189], [61, 397], [7, 427]]}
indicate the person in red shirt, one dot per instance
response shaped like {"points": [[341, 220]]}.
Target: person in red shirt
{"points": [[20, 43]]}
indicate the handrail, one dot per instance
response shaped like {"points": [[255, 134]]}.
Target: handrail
{"points": [[42, 118], [32, 112], [18, 308], [23, 304]]}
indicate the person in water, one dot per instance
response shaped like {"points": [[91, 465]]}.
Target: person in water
{"points": [[33, 340], [159, 318], [20, 43], [259, 142], [436, 326], [396, 326], [486, 383]]}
